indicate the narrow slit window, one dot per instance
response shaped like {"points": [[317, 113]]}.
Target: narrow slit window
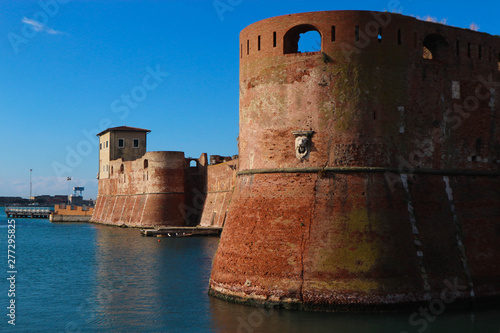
{"points": [[415, 40], [468, 50], [333, 33], [379, 34], [241, 51], [458, 48], [248, 47], [258, 43], [356, 33], [399, 37], [274, 39], [480, 52]]}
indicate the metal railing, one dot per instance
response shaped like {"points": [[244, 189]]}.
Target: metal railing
{"points": [[29, 210]]}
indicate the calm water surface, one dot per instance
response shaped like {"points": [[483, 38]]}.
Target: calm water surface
{"points": [[86, 277]]}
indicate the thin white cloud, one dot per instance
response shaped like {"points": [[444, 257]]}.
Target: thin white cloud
{"points": [[40, 27]]}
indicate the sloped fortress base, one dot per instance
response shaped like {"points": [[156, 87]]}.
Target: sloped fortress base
{"points": [[343, 241], [368, 172]]}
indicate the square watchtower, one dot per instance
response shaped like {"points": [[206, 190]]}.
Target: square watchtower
{"points": [[127, 143]]}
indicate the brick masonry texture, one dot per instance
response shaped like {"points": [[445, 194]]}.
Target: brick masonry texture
{"points": [[146, 192], [162, 189], [423, 205], [221, 180]]}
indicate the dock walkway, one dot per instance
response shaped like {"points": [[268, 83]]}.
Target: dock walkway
{"points": [[181, 231], [28, 211]]}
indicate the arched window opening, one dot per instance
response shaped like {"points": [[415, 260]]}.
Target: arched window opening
{"points": [[193, 164], [302, 38], [146, 164], [435, 47]]}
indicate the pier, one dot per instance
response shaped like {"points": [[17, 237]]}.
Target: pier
{"points": [[29, 212], [181, 231]]}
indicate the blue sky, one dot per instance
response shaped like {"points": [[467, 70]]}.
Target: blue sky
{"points": [[65, 67]]}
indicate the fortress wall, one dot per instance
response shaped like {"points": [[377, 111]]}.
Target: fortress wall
{"points": [[301, 91], [196, 180], [220, 184], [145, 192], [402, 179]]}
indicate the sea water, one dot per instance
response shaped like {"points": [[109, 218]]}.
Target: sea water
{"points": [[80, 277]]}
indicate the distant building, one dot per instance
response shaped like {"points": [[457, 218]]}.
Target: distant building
{"points": [[127, 143], [163, 188]]}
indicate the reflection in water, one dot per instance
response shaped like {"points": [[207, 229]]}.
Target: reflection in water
{"points": [[245, 319], [141, 282], [86, 277]]}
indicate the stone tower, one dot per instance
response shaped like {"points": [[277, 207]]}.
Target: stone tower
{"points": [[368, 171], [127, 143]]}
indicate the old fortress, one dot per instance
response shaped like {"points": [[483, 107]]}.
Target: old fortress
{"points": [[368, 172]]}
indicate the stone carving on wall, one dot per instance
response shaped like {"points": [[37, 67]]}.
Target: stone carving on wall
{"points": [[302, 144]]}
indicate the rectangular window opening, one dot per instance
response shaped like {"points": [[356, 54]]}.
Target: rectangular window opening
{"points": [[356, 33], [106, 144], [258, 43], [333, 33], [121, 143], [274, 39], [100, 146], [399, 37], [136, 143]]}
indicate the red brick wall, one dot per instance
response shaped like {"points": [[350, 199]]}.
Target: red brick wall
{"points": [[220, 184], [316, 237], [139, 196]]}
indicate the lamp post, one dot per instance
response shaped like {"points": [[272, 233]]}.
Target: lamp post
{"points": [[31, 170], [69, 191]]}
